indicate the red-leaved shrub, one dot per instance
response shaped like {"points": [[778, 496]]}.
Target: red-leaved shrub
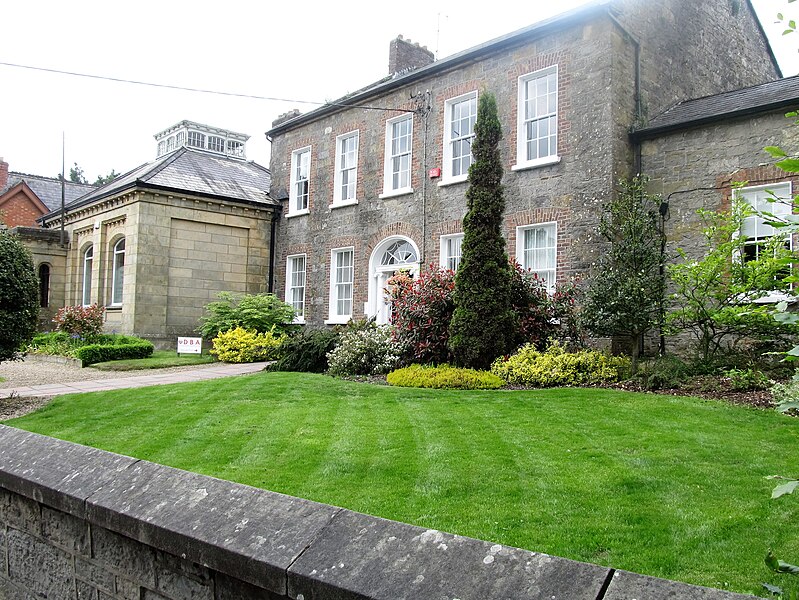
{"points": [[83, 321], [421, 311]]}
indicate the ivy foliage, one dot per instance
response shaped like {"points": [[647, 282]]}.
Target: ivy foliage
{"points": [[483, 323]]}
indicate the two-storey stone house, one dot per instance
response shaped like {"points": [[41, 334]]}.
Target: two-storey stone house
{"points": [[376, 181]]}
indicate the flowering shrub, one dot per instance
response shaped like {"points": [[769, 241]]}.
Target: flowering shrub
{"points": [[241, 346], [366, 350], [421, 311], [80, 321], [444, 377], [556, 367]]}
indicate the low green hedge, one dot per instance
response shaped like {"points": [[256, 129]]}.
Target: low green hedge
{"points": [[444, 377], [120, 349]]}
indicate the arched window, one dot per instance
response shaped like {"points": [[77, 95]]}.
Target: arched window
{"points": [[118, 273], [44, 285], [88, 260]]}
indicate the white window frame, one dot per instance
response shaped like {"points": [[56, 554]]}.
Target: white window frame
{"points": [[296, 157], [756, 196], [388, 170], [86, 280], [445, 257], [117, 254], [522, 160], [194, 138], [447, 176], [521, 256], [338, 286], [291, 286], [338, 199], [216, 143]]}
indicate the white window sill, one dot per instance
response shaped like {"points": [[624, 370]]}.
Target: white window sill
{"points": [[343, 203], [453, 180], [775, 297], [392, 193], [338, 320], [535, 164], [299, 213], [298, 321]]}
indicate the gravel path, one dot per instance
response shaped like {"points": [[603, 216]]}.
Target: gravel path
{"points": [[33, 371]]}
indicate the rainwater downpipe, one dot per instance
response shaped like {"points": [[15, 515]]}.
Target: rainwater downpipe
{"points": [[638, 120], [272, 244]]}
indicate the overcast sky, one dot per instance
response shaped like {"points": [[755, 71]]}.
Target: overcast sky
{"points": [[312, 51]]}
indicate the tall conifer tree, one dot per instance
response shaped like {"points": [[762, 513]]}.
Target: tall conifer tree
{"points": [[483, 323]]}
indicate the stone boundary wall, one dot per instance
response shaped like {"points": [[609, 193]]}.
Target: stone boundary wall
{"points": [[80, 523]]}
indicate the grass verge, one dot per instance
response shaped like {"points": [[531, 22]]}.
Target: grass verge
{"points": [[159, 360], [668, 486]]}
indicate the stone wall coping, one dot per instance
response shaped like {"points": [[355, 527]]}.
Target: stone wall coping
{"points": [[295, 547]]}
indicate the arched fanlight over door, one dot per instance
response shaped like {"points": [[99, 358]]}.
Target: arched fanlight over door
{"points": [[391, 255]]}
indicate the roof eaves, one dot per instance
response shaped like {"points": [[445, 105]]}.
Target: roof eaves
{"points": [[648, 133], [510, 39]]}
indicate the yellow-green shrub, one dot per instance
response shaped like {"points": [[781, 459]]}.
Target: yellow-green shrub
{"points": [[556, 366], [241, 346], [444, 377]]}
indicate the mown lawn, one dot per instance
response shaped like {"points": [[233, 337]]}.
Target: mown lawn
{"points": [[667, 486]]}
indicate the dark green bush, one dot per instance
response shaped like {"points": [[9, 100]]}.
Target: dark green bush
{"points": [[19, 297], [664, 373], [253, 312], [444, 377], [306, 351], [117, 349]]}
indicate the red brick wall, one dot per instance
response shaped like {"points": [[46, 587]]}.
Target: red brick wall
{"points": [[18, 210]]}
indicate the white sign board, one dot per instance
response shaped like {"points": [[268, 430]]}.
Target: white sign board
{"points": [[190, 345]]}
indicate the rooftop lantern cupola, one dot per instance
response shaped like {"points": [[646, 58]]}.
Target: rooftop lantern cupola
{"points": [[201, 137]]}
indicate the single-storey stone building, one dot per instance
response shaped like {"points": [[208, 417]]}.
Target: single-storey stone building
{"points": [[376, 181], [158, 243]]}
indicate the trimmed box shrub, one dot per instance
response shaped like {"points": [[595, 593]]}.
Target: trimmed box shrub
{"points": [[123, 347], [444, 377], [558, 367]]}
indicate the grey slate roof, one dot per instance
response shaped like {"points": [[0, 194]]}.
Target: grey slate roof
{"points": [[193, 172], [782, 94], [48, 189]]}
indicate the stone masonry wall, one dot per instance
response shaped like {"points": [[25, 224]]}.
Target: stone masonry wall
{"points": [[589, 124], [693, 49], [687, 49], [82, 524], [695, 169]]}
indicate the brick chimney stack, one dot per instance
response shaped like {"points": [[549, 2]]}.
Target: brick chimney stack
{"points": [[3, 173], [404, 55]]}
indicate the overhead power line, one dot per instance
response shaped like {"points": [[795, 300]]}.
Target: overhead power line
{"points": [[199, 90]]}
